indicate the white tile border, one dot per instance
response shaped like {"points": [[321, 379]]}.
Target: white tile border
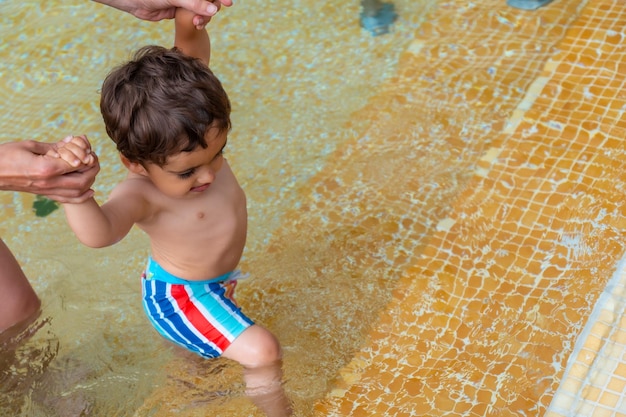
{"points": [[585, 387]]}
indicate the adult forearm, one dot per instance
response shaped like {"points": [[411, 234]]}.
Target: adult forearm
{"points": [[191, 41]]}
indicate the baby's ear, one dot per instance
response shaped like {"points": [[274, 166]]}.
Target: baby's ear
{"points": [[134, 167]]}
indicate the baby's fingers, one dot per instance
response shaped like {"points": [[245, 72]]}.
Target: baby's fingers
{"points": [[75, 155]]}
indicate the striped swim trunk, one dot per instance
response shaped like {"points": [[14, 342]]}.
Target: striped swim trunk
{"points": [[201, 316]]}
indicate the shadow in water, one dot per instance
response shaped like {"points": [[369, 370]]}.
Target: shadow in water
{"points": [[264, 387], [34, 381], [219, 387]]}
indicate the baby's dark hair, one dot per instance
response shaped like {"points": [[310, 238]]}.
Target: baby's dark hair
{"points": [[161, 103]]}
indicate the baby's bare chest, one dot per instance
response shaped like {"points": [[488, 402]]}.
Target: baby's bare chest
{"points": [[197, 220]]}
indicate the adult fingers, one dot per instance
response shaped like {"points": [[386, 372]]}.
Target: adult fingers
{"points": [[201, 20], [69, 186], [38, 148], [201, 7]]}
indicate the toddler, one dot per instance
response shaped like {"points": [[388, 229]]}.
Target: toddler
{"points": [[170, 117]]}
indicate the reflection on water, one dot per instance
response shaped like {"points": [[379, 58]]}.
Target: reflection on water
{"points": [[199, 385], [41, 377], [264, 387], [64, 389], [25, 358]]}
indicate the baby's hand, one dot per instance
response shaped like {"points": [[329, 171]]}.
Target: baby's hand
{"points": [[199, 22], [75, 150]]}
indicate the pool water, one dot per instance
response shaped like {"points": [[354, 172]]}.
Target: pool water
{"points": [[286, 76], [436, 216]]}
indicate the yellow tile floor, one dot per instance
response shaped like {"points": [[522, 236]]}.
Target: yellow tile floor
{"points": [[511, 309]]}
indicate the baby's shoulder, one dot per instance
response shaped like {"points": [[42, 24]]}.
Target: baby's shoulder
{"points": [[139, 195], [134, 187]]}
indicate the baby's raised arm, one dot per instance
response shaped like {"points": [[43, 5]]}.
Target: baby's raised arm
{"points": [[193, 42]]}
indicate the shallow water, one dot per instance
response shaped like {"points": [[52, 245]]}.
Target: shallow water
{"points": [[435, 214], [295, 73]]}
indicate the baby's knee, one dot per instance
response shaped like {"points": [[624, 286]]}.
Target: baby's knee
{"points": [[265, 350], [255, 347]]}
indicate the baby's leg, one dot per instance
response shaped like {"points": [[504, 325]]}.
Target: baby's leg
{"points": [[258, 351]]}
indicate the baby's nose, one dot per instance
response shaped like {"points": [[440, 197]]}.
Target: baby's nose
{"points": [[207, 175]]}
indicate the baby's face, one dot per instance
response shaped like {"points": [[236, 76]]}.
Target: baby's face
{"points": [[188, 173]]}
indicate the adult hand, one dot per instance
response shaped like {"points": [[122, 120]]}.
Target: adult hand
{"points": [[24, 166], [154, 10]]}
